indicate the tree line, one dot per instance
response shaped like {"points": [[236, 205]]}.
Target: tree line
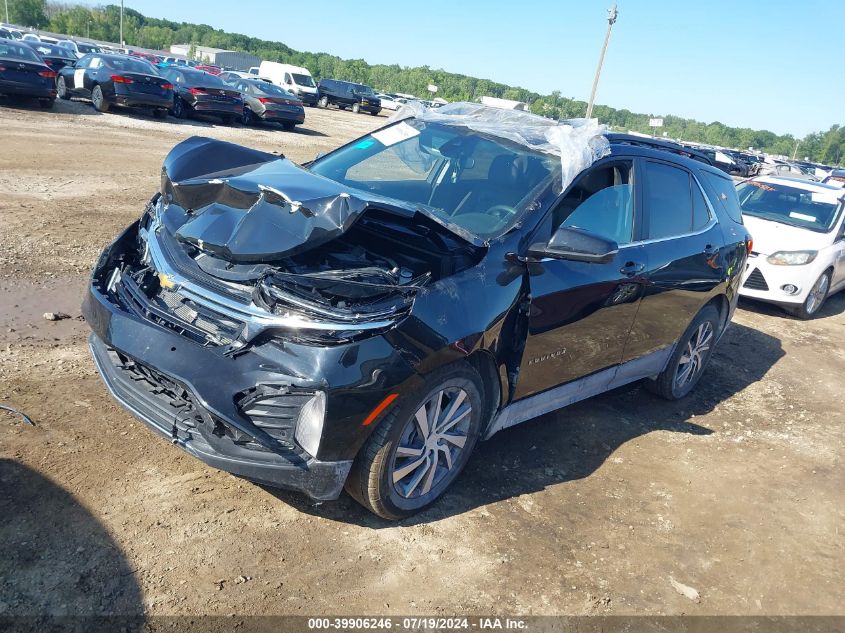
{"points": [[102, 23]]}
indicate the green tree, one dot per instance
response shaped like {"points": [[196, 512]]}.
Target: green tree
{"points": [[28, 12]]}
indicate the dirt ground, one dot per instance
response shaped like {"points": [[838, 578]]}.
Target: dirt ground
{"points": [[624, 504]]}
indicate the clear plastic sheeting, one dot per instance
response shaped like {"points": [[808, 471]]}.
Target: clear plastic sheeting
{"points": [[577, 142]]}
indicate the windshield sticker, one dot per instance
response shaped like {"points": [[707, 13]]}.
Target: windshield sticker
{"points": [[365, 143], [801, 216], [392, 135], [822, 197]]}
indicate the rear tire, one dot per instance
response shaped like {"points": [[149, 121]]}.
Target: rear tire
{"points": [[690, 358], [99, 100], [815, 300], [180, 108], [400, 470], [61, 89]]}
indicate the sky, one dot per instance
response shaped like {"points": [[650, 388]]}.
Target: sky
{"points": [[763, 64]]}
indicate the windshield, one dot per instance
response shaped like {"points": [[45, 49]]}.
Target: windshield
{"points": [[128, 64], [479, 183], [10, 48], [303, 80], [788, 205]]}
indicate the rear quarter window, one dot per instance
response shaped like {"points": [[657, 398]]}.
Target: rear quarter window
{"points": [[721, 191]]}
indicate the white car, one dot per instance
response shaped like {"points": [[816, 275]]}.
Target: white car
{"points": [[798, 256], [30, 37], [80, 49], [389, 102]]}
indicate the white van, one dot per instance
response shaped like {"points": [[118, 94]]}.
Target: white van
{"points": [[292, 78]]}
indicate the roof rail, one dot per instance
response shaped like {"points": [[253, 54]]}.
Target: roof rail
{"points": [[653, 143]]}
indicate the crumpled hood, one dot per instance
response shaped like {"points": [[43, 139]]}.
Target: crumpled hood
{"points": [[249, 206], [770, 237]]}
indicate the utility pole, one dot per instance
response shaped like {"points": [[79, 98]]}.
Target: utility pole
{"points": [[795, 153], [7, 12], [612, 14], [121, 22]]}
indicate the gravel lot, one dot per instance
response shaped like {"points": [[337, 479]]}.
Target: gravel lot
{"points": [[623, 504]]}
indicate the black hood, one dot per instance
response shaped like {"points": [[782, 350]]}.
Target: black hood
{"points": [[249, 206]]}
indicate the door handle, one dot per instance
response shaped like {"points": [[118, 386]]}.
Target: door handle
{"points": [[632, 268]]}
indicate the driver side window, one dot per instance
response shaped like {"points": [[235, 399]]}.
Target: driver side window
{"points": [[602, 202]]}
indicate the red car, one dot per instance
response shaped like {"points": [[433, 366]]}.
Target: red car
{"points": [[155, 60], [211, 70]]}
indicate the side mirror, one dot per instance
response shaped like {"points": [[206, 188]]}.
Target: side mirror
{"points": [[578, 245]]}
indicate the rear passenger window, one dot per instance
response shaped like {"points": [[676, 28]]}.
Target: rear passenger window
{"points": [[668, 201], [700, 212], [725, 192]]}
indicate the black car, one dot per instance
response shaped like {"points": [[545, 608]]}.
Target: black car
{"points": [[116, 80], [56, 57], [365, 320], [264, 101], [24, 74], [5, 34], [345, 94], [199, 92]]}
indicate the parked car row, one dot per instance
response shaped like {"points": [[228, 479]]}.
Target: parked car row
{"points": [[46, 71]]}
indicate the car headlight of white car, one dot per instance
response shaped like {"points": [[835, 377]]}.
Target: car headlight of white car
{"points": [[791, 258]]}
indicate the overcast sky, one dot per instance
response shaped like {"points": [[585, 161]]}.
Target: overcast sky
{"points": [[772, 64]]}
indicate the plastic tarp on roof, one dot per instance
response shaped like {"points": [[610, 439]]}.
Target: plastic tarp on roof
{"points": [[577, 142]]}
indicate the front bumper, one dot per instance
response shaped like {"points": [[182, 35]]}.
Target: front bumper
{"points": [[764, 282], [322, 481]]}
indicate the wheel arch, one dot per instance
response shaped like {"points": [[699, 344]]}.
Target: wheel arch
{"points": [[484, 364]]}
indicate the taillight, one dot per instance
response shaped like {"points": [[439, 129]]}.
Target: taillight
{"points": [[167, 86], [119, 79], [197, 91], [264, 100], [50, 74]]}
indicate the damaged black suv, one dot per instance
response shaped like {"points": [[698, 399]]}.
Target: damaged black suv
{"points": [[364, 320]]}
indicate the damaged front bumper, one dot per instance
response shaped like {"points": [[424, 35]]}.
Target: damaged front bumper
{"points": [[137, 391]]}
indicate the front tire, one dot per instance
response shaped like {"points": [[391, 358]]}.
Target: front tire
{"points": [[815, 300], [99, 99], [323, 102], [690, 358], [420, 446], [61, 89], [356, 108]]}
